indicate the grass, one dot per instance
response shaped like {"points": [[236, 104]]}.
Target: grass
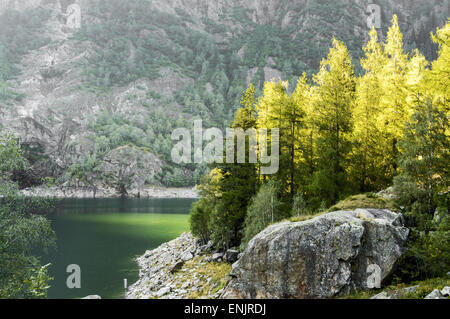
{"points": [[425, 288], [351, 203], [302, 218], [218, 272], [363, 201]]}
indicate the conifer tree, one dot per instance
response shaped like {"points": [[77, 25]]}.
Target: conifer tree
{"points": [[238, 182], [333, 108], [438, 77], [393, 99], [367, 156], [424, 160]]}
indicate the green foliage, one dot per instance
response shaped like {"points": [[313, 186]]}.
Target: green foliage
{"points": [[334, 104], [265, 209], [300, 206], [39, 282], [428, 252], [11, 158], [22, 228], [199, 220], [424, 161], [422, 188]]}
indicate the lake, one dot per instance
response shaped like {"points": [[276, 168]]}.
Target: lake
{"points": [[103, 236]]}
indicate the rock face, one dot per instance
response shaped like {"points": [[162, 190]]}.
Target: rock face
{"points": [[319, 258]]}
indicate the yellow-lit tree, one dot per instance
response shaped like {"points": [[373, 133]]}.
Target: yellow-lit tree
{"points": [[333, 108]]}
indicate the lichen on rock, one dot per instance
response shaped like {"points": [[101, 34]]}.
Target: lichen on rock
{"points": [[320, 258]]}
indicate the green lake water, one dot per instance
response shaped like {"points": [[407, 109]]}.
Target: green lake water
{"points": [[103, 236]]}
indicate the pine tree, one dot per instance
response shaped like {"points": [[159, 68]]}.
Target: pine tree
{"points": [[238, 183], [424, 160], [439, 75], [277, 109], [333, 101], [367, 155], [303, 135], [393, 99]]}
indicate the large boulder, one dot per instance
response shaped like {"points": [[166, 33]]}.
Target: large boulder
{"points": [[319, 258]]}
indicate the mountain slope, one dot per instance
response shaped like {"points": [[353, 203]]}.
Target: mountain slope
{"points": [[138, 69]]}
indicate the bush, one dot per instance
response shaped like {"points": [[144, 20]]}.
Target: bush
{"points": [[199, 220], [265, 209], [428, 252]]}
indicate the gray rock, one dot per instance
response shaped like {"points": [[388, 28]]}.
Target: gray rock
{"points": [[396, 294], [176, 267], [217, 257], [231, 256], [381, 295], [435, 294], [92, 297], [446, 291], [187, 256], [319, 258], [163, 291], [207, 247]]}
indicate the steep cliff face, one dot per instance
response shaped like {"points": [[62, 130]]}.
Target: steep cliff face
{"points": [[135, 70]]}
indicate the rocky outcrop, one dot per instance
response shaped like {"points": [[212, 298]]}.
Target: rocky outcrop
{"points": [[319, 258], [179, 269]]}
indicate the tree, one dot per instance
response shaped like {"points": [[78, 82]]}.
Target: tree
{"points": [[333, 100], [129, 167], [422, 188], [86, 171], [424, 170], [393, 100], [265, 208], [238, 182], [226, 191], [279, 110], [367, 158], [440, 72], [300, 206], [199, 220], [22, 228]]}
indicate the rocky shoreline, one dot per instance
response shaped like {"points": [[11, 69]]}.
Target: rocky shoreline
{"points": [[102, 193], [181, 269]]}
